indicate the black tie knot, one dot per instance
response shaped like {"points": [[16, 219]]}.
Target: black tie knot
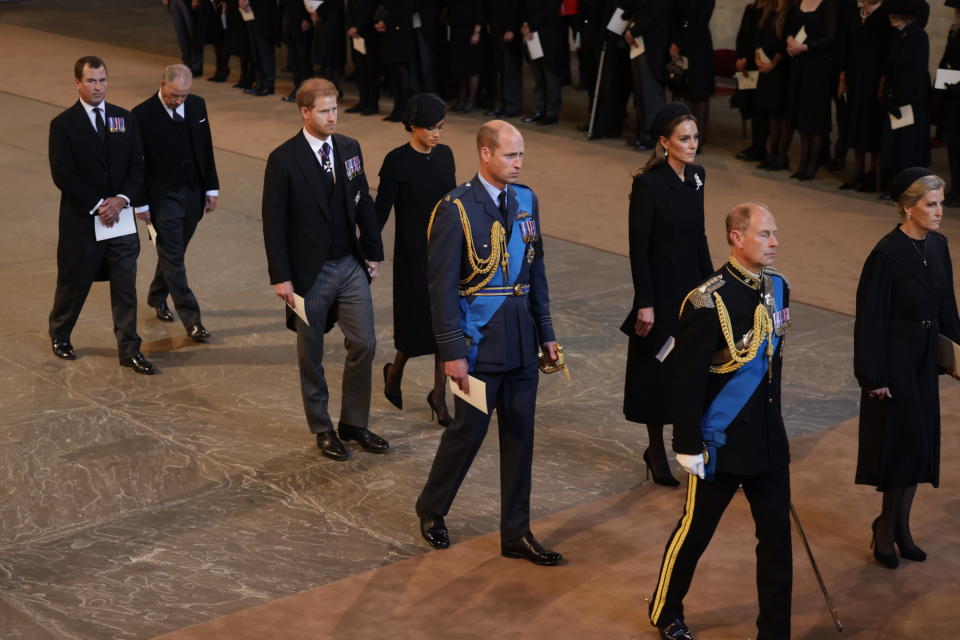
{"points": [[502, 204], [101, 129]]}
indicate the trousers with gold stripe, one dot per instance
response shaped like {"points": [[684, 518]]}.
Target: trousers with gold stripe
{"points": [[769, 498]]}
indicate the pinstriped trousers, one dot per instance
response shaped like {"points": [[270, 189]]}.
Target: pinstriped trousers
{"points": [[769, 498], [342, 282]]}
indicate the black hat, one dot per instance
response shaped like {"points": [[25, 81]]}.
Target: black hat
{"points": [[906, 7], [667, 114], [424, 110], [906, 178]]}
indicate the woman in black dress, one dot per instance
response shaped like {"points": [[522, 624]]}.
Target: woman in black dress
{"points": [[948, 129], [690, 38], [394, 19], [668, 258], [413, 179], [466, 20], [330, 41], [771, 59], [904, 301], [906, 83], [865, 52], [745, 100], [811, 28], [238, 43]]}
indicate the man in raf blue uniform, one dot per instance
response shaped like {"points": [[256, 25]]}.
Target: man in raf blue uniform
{"points": [[728, 430], [491, 312]]}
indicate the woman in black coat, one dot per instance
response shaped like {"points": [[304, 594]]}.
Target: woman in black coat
{"points": [[394, 19], [413, 179], [864, 58], [747, 36], [691, 39], [905, 299], [330, 41], [906, 82], [770, 56], [948, 129], [810, 87], [465, 18], [668, 258]]}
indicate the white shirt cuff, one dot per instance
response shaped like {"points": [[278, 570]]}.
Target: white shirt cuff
{"points": [[120, 195], [141, 209], [213, 192], [93, 211]]}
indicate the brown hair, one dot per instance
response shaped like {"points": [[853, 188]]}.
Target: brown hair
{"points": [[87, 61], [315, 88], [659, 155], [919, 188]]}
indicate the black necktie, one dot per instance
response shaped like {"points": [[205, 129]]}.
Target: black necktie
{"points": [[177, 117], [502, 204], [101, 129]]}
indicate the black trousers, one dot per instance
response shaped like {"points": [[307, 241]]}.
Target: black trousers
{"points": [[175, 218], [769, 498], [263, 55], [514, 395], [546, 89], [648, 95], [508, 57], [368, 76], [300, 58], [119, 256], [400, 87]]}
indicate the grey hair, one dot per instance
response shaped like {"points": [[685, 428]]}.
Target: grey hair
{"points": [[173, 72], [917, 190]]}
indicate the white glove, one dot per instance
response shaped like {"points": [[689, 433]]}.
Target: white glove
{"points": [[692, 464]]}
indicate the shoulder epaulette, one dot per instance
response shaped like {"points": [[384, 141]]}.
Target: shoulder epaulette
{"points": [[774, 272], [702, 296]]}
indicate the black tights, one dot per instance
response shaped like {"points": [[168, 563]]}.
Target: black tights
{"points": [[395, 377], [811, 144], [779, 139], [894, 522]]}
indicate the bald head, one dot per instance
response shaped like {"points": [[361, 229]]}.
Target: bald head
{"points": [[500, 146]]}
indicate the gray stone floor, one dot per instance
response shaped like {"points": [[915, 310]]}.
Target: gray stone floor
{"points": [[132, 506]]}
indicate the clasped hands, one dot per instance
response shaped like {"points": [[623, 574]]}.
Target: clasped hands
{"points": [[109, 210], [458, 370]]}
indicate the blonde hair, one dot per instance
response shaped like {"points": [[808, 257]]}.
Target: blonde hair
{"points": [[919, 188]]}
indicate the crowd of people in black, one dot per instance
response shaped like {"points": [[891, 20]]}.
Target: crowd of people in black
{"points": [[856, 71]]}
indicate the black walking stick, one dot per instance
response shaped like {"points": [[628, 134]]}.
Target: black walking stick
{"points": [[596, 89], [816, 570]]}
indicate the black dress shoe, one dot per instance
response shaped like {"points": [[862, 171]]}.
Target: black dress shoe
{"points": [[528, 548], [536, 117], [253, 88], [357, 108], [198, 333], [219, 76], [675, 630], [509, 114], [264, 91], [548, 120], [367, 439], [163, 312], [330, 446], [371, 111], [290, 97], [884, 196], [493, 113], [583, 127], [434, 531], [243, 84], [850, 184], [139, 364], [63, 349]]}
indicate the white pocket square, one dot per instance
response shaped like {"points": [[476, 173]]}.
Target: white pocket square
{"points": [[201, 121]]}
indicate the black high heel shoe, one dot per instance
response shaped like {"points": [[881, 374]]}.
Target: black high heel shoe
{"points": [[435, 412], [911, 551], [889, 560], [666, 481], [395, 397]]}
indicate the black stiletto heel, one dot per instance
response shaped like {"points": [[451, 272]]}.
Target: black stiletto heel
{"points": [[666, 481], [395, 397], [889, 560], [435, 413]]}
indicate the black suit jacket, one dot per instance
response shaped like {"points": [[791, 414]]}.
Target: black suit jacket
{"points": [[296, 215], [651, 19], [512, 336], [160, 151], [87, 170]]}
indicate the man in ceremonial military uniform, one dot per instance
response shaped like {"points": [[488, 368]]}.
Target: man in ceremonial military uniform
{"points": [[491, 311], [728, 431]]}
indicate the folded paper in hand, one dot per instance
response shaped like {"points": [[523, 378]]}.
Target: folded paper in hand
{"points": [[534, 47], [477, 396], [747, 80], [617, 24], [124, 226], [945, 77], [300, 308], [246, 14], [801, 36], [905, 119], [360, 46]]}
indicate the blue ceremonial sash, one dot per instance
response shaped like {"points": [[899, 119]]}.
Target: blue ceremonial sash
{"points": [[475, 315], [735, 394]]}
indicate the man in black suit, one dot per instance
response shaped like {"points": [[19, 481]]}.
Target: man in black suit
{"points": [[541, 18], [262, 31], [485, 249], [315, 197], [367, 65], [503, 23], [180, 184], [97, 163]]}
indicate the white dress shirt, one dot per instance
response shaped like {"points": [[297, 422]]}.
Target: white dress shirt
{"points": [[89, 108]]}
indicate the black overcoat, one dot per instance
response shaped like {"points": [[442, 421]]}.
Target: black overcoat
{"points": [[902, 306], [691, 32], [948, 129], [668, 257]]}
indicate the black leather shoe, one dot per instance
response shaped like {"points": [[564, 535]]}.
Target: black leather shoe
{"points": [[198, 333], [434, 531], [264, 91], [528, 548], [219, 76], [675, 630], [163, 312], [290, 97], [367, 439], [536, 117], [371, 111], [253, 88], [493, 113], [63, 349], [330, 446], [139, 364], [547, 120], [357, 108]]}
